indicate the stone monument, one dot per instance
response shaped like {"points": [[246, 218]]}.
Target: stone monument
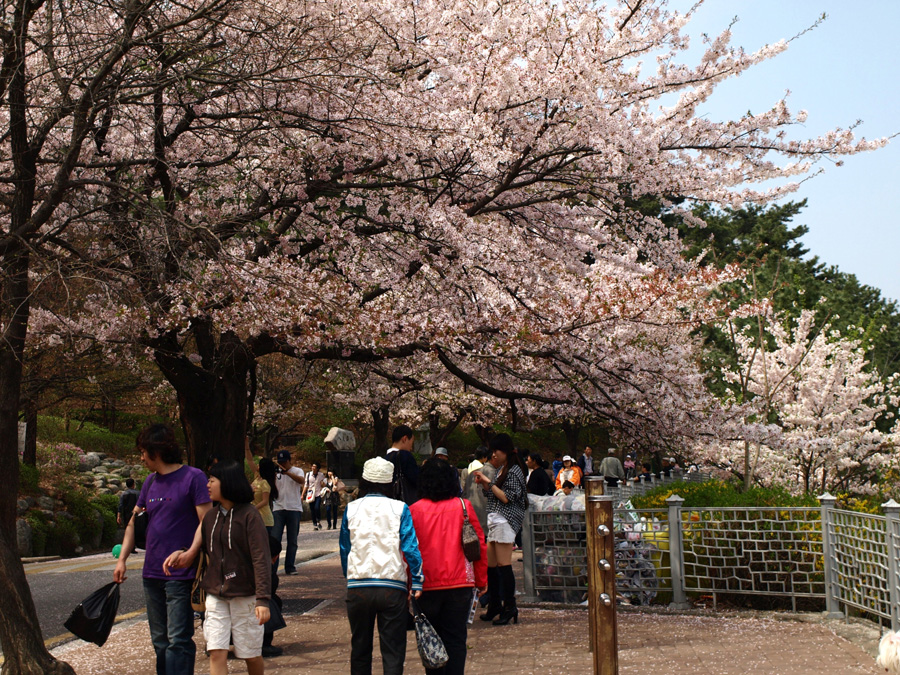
{"points": [[341, 444]]}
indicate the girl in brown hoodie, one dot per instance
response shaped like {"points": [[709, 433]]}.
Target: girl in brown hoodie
{"points": [[238, 575]]}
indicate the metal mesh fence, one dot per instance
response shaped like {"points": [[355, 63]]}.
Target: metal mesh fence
{"points": [[859, 561], [772, 551]]}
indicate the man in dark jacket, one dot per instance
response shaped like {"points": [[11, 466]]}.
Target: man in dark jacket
{"points": [[406, 471]]}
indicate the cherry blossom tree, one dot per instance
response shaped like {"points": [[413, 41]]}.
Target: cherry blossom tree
{"points": [[816, 385], [224, 180]]}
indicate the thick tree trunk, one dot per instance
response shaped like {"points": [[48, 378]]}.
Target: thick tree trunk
{"points": [[212, 398], [572, 430], [20, 634], [29, 457], [381, 425], [484, 433], [438, 434]]}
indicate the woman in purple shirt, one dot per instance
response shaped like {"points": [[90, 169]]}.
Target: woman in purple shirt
{"points": [[176, 499]]}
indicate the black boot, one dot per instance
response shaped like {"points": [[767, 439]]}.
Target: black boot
{"points": [[510, 612], [494, 606]]}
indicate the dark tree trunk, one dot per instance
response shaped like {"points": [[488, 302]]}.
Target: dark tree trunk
{"points": [[20, 634], [572, 430], [484, 433], [381, 425], [212, 397], [29, 457], [438, 434]]}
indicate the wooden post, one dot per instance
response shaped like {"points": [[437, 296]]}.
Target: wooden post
{"points": [[593, 486], [602, 583]]}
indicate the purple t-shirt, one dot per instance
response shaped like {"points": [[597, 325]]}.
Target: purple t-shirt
{"points": [[172, 502]]}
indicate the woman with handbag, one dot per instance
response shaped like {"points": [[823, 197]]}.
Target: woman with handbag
{"points": [[331, 495], [506, 504], [451, 576]]}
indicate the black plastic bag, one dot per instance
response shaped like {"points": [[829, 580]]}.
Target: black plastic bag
{"points": [[93, 619]]}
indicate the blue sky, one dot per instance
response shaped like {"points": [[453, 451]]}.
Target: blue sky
{"points": [[845, 70]]}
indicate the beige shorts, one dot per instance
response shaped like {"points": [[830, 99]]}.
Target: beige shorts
{"points": [[233, 619], [499, 529]]}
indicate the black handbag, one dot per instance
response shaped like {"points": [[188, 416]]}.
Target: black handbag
{"points": [[431, 647], [93, 619], [142, 522], [471, 542]]}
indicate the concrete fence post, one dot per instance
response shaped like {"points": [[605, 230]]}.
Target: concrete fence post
{"points": [[832, 602], [676, 553], [892, 530]]}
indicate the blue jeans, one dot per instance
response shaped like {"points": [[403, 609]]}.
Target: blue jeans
{"points": [[315, 510], [331, 513], [171, 620], [291, 519]]}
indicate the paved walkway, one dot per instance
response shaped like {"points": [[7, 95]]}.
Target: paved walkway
{"points": [[546, 641]]}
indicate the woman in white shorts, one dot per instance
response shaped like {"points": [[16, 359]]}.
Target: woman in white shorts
{"points": [[506, 503], [238, 578]]}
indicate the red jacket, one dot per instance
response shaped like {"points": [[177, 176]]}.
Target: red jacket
{"points": [[439, 530]]}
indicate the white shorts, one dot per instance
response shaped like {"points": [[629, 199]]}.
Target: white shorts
{"points": [[233, 619], [499, 530]]}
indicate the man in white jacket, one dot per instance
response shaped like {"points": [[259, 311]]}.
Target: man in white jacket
{"points": [[378, 545]]}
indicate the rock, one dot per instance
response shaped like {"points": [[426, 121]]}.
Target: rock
{"points": [[21, 507], [30, 501], [341, 440], [63, 515], [116, 463], [46, 503], [100, 469], [79, 550], [105, 491], [48, 514], [23, 538], [92, 459]]}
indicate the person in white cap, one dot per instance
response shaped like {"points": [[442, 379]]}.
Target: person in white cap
{"points": [[570, 472], [379, 552], [441, 453]]}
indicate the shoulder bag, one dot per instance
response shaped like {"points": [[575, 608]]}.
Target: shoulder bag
{"points": [[471, 542], [431, 647], [198, 595]]}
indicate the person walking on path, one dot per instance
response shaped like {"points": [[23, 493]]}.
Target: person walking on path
{"points": [[450, 578], [176, 499], [288, 507], [312, 490], [238, 577], [379, 554], [406, 471], [331, 493], [127, 502], [611, 468], [506, 504], [265, 490]]}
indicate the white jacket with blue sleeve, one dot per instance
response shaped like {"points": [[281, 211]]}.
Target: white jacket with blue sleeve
{"points": [[378, 544]]}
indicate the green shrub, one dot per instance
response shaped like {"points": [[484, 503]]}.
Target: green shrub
{"points": [[64, 538], [717, 493], [91, 437], [40, 529], [29, 476]]}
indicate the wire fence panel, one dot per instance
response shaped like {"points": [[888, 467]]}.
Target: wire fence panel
{"points": [[643, 565], [560, 555], [772, 551], [859, 561]]}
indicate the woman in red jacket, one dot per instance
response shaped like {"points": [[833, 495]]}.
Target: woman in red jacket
{"points": [[447, 595]]}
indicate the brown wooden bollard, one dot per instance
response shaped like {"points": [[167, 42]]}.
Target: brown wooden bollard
{"points": [[601, 550], [593, 486]]}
